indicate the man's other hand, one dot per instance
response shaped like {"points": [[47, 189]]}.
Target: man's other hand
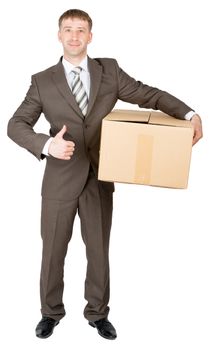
{"points": [[197, 125], [59, 148]]}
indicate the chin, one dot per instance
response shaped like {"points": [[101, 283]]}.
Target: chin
{"points": [[74, 54]]}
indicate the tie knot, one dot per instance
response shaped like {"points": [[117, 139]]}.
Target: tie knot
{"points": [[77, 70]]}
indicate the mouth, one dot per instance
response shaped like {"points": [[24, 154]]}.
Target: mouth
{"points": [[74, 44]]}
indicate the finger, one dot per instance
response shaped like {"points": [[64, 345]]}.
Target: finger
{"points": [[196, 138], [65, 157], [70, 143], [61, 133], [69, 148], [67, 153], [194, 141], [67, 144]]}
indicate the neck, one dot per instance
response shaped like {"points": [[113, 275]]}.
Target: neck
{"points": [[74, 60]]}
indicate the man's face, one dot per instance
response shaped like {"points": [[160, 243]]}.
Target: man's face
{"points": [[74, 34]]}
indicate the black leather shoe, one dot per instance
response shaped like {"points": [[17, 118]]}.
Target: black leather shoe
{"points": [[104, 328], [45, 327]]}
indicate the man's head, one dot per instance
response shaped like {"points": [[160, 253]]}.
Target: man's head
{"points": [[75, 33]]}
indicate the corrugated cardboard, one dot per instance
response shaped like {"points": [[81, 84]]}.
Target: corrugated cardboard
{"points": [[145, 147]]}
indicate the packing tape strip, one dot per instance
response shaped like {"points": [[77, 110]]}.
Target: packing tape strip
{"points": [[144, 159]]}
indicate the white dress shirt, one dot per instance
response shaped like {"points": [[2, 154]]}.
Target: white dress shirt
{"points": [[85, 78]]}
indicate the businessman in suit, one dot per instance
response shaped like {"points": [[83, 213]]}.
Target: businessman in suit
{"points": [[75, 95]]}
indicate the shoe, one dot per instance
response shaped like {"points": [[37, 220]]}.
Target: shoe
{"points": [[104, 328], [45, 327]]}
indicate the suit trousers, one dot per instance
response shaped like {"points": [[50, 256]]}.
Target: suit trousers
{"points": [[94, 207]]}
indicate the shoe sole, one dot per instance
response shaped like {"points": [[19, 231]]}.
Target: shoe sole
{"points": [[102, 335], [48, 335]]}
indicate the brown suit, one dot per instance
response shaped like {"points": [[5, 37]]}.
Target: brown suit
{"points": [[72, 185]]}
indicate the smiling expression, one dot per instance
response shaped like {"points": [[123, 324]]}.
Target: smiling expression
{"points": [[75, 35]]}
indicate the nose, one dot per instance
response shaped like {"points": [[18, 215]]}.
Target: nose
{"points": [[75, 35]]}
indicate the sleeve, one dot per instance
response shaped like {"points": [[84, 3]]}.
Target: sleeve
{"points": [[45, 150], [189, 115], [133, 91], [20, 126]]}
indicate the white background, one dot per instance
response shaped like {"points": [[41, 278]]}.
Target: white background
{"points": [[159, 243]]}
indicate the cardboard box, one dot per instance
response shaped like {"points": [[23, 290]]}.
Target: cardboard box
{"points": [[145, 147]]}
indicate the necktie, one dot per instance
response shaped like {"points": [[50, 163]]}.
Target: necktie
{"points": [[79, 91]]}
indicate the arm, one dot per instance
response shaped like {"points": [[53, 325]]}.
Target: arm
{"points": [[132, 91], [20, 126]]}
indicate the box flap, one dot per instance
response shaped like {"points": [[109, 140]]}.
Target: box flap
{"points": [[129, 116], [159, 118]]}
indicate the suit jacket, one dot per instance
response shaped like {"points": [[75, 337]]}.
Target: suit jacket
{"points": [[50, 94]]}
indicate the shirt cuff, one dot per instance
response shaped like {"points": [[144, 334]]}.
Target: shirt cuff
{"points": [[45, 150], [189, 115]]}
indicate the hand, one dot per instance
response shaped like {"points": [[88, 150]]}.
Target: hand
{"points": [[59, 148], [197, 125]]}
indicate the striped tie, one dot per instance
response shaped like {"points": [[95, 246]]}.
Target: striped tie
{"points": [[79, 91]]}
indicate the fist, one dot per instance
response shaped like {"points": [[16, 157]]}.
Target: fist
{"points": [[59, 148]]}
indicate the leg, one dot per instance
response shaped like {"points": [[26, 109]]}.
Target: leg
{"points": [[95, 211], [56, 225]]}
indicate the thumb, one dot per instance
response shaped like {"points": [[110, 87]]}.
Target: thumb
{"points": [[61, 133]]}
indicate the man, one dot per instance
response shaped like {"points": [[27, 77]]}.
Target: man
{"points": [[75, 95]]}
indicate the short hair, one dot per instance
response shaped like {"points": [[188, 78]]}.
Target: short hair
{"points": [[75, 13]]}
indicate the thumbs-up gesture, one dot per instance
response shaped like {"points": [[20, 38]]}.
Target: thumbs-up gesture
{"points": [[59, 148]]}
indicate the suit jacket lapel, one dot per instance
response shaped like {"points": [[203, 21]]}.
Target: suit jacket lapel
{"points": [[60, 81], [95, 71], [63, 87]]}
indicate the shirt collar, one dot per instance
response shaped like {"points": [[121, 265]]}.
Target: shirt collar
{"points": [[69, 66]]}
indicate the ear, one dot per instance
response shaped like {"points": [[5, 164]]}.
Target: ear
{"points": [[59, 36], [90, 37]]}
